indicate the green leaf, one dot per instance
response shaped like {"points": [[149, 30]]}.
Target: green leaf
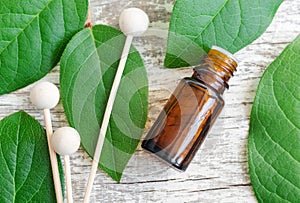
{"points": [[33, 36], [274, 138], [88, 67], [196, 25], [25, 169]]}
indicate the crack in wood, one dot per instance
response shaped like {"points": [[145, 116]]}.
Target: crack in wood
{"points": [[241, 185], [166, 180]]}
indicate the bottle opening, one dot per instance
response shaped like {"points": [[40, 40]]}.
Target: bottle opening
{"points": [[225, 52]]}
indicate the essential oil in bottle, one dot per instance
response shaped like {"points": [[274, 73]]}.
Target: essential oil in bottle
{"points": [[191, 110]]}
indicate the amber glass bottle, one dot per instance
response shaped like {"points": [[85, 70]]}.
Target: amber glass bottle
{"points": [[191, 110]]}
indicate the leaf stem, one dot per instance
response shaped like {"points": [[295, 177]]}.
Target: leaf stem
{"points": [[88, 22]]}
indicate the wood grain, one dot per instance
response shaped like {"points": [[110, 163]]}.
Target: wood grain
{"points": [[219, 172]]}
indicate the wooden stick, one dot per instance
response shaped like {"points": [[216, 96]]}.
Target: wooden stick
{"points": [[53, 157], [106, 117], [68, 178]]}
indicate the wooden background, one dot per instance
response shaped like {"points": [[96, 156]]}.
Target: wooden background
{"points": [[219, 172]]}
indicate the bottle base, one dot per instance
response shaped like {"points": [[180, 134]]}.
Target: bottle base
{"points": [[153, 149]]}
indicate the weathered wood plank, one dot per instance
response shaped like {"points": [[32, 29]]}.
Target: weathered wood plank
{"points": [[219, 172]]}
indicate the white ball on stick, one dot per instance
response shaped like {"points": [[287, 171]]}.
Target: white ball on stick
{"points": [[133, 22], [44, 95], [65, 141]]}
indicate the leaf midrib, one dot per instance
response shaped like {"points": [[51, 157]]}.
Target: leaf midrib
{"points": [[34, 151], [17, 147], [212, 19], [26, 26]]}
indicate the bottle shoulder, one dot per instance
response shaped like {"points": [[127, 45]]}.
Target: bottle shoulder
{"points": [[203, 86]]}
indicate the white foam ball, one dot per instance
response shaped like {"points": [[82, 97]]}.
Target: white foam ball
{"points": [[44, 95], [65, 141], [133, 21]]}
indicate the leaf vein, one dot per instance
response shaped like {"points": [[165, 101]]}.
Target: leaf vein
{"points": [[203, 29], [275, 170], [27, 25], [277, 102]]}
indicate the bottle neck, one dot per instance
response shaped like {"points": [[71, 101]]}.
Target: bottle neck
{"points": [[215, 70]]}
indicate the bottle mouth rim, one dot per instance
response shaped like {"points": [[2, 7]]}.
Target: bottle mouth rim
{"points": [[225, 52]]}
